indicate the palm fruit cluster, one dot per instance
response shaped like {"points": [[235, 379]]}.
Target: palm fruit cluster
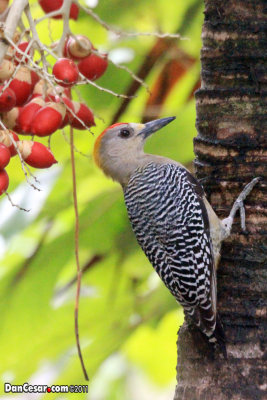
{"points": [[30, 105]]}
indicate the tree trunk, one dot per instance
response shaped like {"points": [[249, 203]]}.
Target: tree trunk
{"points": [[231, 150]]}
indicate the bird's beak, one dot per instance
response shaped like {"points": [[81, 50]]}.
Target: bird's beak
{"points": [[153, 126]]}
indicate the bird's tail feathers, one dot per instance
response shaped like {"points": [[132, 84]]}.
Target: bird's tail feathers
{"points": [[218, 339], [211, 327]]}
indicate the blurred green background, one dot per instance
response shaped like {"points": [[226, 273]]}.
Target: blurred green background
{"points": [[128, 320]]}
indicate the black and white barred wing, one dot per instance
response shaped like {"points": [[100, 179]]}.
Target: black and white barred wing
{"points": [[171, 225]]}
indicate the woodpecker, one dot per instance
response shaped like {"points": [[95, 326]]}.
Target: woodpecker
{"points": [[172, 220]]}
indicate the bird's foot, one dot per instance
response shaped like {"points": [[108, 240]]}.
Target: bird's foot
{"points": [[239, 205]]}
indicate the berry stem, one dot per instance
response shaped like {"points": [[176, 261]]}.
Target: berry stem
{"points": [[79, 272], [66, 29]]}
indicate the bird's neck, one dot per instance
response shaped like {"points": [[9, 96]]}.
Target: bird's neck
{"points": [[122, 170]]}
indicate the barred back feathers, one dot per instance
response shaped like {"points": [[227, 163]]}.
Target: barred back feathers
{"points": [[171, 225]]}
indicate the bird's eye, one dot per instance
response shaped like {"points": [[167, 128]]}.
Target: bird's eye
{"points": [[125, 133]]}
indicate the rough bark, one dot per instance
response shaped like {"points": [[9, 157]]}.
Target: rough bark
{"points": [[231, 150]]}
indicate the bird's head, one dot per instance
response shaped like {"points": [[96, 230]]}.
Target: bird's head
{"points": [[120, 148]]}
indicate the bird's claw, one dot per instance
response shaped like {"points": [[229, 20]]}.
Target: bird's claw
{"points": [[242, 216], [240, 201], [239, 205]]}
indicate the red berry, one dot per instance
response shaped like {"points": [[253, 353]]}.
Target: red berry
{"points": [[5, 138], [48, 119], [4, 181], [22, 85], [53, 5], [50, 5], [84, 114], [10, 119], [35, 78], [4, 156], [66, 72], [93, 66], [7, 99], [6, 69], [23, 47], [74, 11], [36, 154], [78, 47], [67, 92], [27, 114]]}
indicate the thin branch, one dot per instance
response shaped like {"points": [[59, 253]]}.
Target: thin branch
{"points": [[132, 74], [66, 29], [153, 34], [24, 31], [15, 205], [33, 27], [92, 83], [11, 24], [52, 14], [75, 148], [81, 100], [79, 272], [49, 30], [121, 33], [24, 53], [124, 68]]}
